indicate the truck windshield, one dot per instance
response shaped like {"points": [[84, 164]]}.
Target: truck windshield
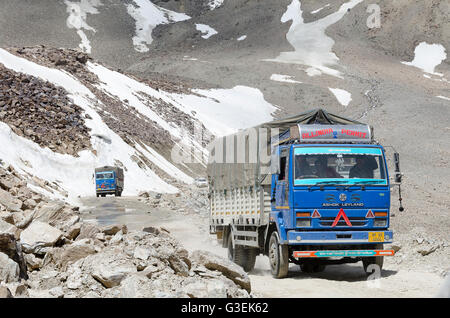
{"points": [[339, 165], [105, 175]]}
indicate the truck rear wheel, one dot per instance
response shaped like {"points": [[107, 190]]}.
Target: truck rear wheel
{"points": [[244, 257], [374, 260], [278, 257]]}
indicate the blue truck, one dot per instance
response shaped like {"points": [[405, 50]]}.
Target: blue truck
{"points": [[109, 180], [311, 190]]}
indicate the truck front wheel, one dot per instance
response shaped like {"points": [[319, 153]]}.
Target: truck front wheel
{"points": [[278, 257]]}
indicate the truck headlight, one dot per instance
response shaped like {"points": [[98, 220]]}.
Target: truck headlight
{"points": [[303, 223], [380, 222]]}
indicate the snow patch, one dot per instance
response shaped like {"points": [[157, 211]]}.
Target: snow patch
{"points": [[312, 46], [78, 12], [283, 78], [225, 111], [242, 38], [148, 16], [443, 97], [214, 4], [206, 30], [427, 57], [343, 97], [320, 9]]}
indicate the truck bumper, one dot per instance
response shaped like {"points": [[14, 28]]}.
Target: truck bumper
{"points": [[342, 253], [339, 237], [109, 191]]}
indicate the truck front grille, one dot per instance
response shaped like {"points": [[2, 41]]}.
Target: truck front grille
{"points": [[355, 221]]}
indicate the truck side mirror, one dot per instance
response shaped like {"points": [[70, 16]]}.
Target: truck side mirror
{"points": [[398, 175]]}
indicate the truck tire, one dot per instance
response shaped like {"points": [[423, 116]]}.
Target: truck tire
{"points": [[251, 258], [244, 257], [278, 257], [375, 260]]}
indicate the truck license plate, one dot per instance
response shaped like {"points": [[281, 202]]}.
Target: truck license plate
{"points": [[376, 236]]}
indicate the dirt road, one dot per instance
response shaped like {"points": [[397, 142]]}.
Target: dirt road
{"points": [[336, 281]]}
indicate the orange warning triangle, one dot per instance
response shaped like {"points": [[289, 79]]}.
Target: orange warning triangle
{"points": [[316, 214], [338, 217], [370, 215]]}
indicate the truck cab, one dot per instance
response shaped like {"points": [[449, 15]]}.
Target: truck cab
{"points": [[330, 195]]}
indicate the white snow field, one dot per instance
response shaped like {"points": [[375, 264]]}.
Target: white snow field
{"points": [[78, 12], [312, 47], [148, 16], [74, 174], [225, 111], [427, 57], [343, 97], [206, 30], [283, 78]]}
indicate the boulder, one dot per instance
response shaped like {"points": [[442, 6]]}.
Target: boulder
{"points": [[9, 270], [178, 265], [10, 202], [62, 257], [5, 292], [112, 229], [12, 249], [109, 267], [88, 230], [7, 228], [33, 262], [229, 269], [18, 289], [38, 235], [73, 231]]}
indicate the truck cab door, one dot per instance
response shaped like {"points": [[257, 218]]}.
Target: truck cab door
{"points": [[282, 184]]}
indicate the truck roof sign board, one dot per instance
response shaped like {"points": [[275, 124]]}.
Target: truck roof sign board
{"points": [[335, 133]]}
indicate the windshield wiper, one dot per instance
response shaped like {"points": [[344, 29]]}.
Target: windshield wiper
{"points": [[322, 183], [331, 182], [369, 182]]}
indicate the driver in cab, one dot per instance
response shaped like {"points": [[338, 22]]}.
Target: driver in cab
{"points": [[324, 171]]}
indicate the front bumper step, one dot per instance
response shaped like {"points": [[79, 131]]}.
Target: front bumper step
{"points": [[343, 253]]}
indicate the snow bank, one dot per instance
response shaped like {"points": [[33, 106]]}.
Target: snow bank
{"points": [[206, 30], [320, 9], [78, 12], [148, 16], [427, 57], [312, 47], [214, 4], [225, 111], [443, 97], [283, 78], [343, 97], [74, 174]]}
